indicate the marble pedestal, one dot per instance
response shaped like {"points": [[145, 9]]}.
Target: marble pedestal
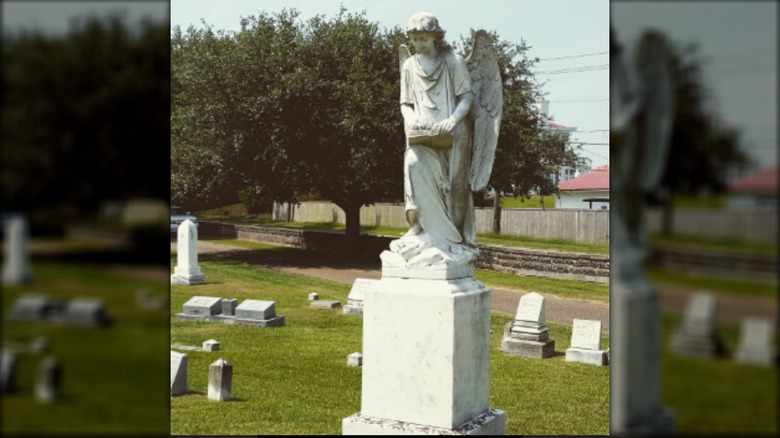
{"points": [[635, 359], [426, 359]]}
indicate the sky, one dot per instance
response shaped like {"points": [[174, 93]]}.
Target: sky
{"points": [[55, 16], [739, 40], [553, 29]]}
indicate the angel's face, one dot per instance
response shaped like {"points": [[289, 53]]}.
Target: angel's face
{"points": [[424, 42]]}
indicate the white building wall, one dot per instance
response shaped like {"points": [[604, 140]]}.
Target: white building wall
{"points": [[574, 199]]}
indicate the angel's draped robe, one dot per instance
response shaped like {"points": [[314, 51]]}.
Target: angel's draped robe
{"points": [[436, 181]]}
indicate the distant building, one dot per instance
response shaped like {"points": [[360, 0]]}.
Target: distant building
{"points": [[565, 173], [754, 192], [589, 191]]}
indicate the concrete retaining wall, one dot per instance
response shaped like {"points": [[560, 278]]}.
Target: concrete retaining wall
{"points": [[586, 267]]}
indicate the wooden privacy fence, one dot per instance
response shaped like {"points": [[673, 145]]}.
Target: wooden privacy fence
{"points": [[570, 224]]}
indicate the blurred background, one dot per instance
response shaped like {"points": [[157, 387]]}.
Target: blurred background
{"points": [[85, 212], [711, 223]]}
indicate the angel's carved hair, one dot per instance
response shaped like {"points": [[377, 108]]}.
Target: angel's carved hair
{"points": [[427, 22]]}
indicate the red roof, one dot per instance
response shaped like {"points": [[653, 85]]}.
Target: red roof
{"points": [[761, 182], [597, 179]]}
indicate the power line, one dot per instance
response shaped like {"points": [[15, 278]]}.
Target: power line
{"points": [[573, 56], [575, 69], [579, 100]]}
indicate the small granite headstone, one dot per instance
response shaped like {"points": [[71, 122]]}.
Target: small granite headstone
{"points": [[229, 306], [47, 387], [314, 296], [755, 345], [203, 306], [355, 359], [210, 345], [698, 335], [178, 373], [39, 344], [144, 300], [220, 380], [256, 309], [586, 343], [354, 304], [86, 311], [325, 304], [8, 371], [35, 307], [528, 335]]}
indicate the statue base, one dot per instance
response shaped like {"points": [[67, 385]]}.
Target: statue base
{"points": [[490, 422], [426, 347]]}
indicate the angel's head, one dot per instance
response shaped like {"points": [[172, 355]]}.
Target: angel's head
{"points": [[426, 23]]}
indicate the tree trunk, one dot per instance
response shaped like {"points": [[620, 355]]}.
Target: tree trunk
{"points": [[352, 233], [496, 212], [667, 215]]}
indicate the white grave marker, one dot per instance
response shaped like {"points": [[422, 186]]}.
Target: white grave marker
{"points": [[256, 309], [178, 373], [755, 344], [17, 264], [187, 270], [200, 305], [586, 343]]}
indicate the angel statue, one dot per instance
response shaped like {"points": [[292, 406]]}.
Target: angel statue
{"points": [[452, 112], [642, 103]]}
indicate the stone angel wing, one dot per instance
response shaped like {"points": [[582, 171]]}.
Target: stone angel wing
{"points": [[657, 114], [486, 108], [403, 55]]}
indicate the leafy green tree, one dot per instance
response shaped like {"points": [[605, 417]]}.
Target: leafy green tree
{"points": [[701, 152], [85, 115], [526, 154]]}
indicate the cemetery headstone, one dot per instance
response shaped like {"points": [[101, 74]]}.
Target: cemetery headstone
{"points": [[586, 343], [187, 270], [16, 268], [354, 304], [755, 343], [178, 373], [229, 306], [8, 371], [35, 307], [47, 387], [220, 380], [259, 313], [86, 311], [145, 300], [203, 306], [39, 344], [325, 304], [355, 359], [528, 335], [698, 334], [314, 296], [210, 345]]}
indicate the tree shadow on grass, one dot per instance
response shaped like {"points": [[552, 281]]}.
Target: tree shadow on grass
{"points": [[293, 257]]}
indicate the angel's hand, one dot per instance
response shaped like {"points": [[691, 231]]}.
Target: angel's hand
{"points": [[446, 126], [413, 123]]}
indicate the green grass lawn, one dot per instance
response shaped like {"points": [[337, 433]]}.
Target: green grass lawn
{"points": [[558, 287], [534, 201], [684, 241], [717, 396], [294, 379], [734, 287], [114, 378]]}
